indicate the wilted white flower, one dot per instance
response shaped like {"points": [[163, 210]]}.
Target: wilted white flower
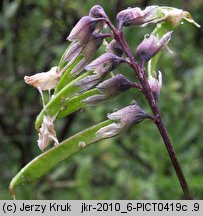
{"points": [[174, 15], [45, 80], [47, 133]]}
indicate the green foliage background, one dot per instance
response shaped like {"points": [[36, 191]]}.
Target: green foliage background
{"points": [[134, 165]]}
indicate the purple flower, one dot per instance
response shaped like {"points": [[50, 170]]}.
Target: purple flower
{"points": [[153, 14], [114, 85], [83, 29], [73, 51], [97, 11], [114, 48], [87, 50], [150, 46], [100, 67], [105, 63], [109, 88], [155, 85], [44, 80], [136, 16], [123, 119]]}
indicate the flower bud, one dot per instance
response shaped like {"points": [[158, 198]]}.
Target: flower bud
{"points": [[73, 51], [45, 80], [114, 85], [88, 51], [88, 82], [97, 11], [80, 66], [136, 16], [114, 48], [130, 16], [109, 88], [150, 46], [94, 100], [100, 67], [47, 133], [93, 45], [83, 29], [123, 118], [155, 85], [105, 63]]}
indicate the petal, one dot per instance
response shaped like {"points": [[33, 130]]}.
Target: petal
{"points": [[109, 131], [45, 80], [83, 29]]}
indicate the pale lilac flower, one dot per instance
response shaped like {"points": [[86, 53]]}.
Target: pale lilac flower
{"points": [[97, 12], [109, 88], [123, 118], [100, 67], [83, 29], [150, 46], [155, 85], [115, 48]]}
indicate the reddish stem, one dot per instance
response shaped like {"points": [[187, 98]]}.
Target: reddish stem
{"points": [[141, 75]]}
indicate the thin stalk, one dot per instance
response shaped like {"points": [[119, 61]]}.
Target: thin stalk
{"points": [[141, 75]]}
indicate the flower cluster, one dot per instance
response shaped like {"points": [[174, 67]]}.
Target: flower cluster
{"points": [[79, 70]]}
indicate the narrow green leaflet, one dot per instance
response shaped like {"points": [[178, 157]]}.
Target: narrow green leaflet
{"points": [[47, 160]]}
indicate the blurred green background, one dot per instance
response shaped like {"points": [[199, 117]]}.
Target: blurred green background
{"points": [[134, 165]]}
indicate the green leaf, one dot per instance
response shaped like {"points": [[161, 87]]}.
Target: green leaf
{"points": [[47, 160], [57, 102]]}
